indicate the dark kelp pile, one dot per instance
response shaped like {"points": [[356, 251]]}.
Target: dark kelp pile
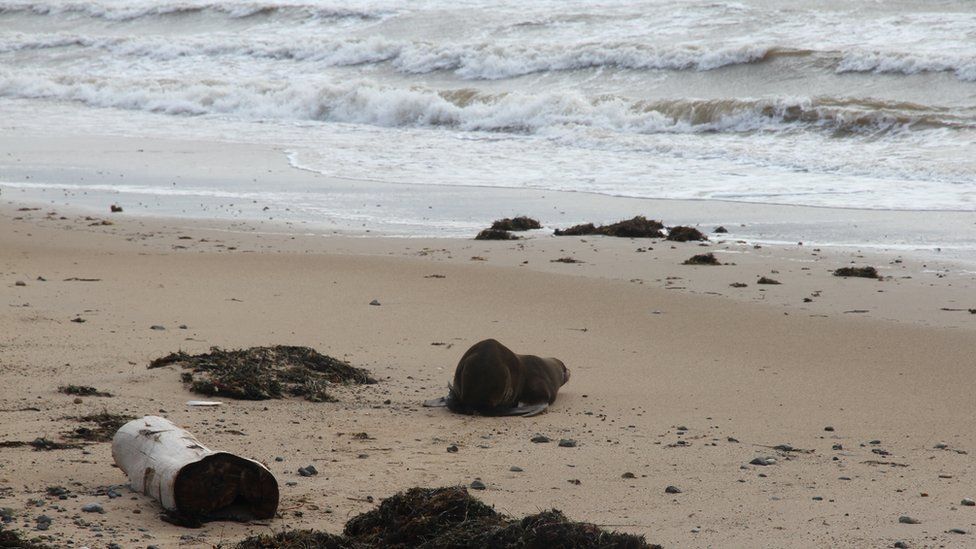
{"points": [[684, 234], [521, 223], [495, 234], [638, 227], [13, 540], [82, 390], [702, 259], [100, 427], [860, 272], [261, 373], [449, 517]]}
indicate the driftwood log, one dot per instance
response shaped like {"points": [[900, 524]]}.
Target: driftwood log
{"points": [[169, 464]]}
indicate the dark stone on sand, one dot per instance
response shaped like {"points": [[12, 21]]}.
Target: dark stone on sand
{"points": [[684, 234], [905, 519], [567, 443], [78, 320], [901, 545], [115, 208], [495, 234], [763, 461], [968, 502], [20, 283], [375, 303], [829, 429], [957, 531], [837, 447], [628, 474], [477, 485], [308, 471], [157, 327], [702, 259], [93, 508], [452, 448], [57, 491], [520, 223], [720, 230], [637, 227], [858, 272], [515, 469], [672, 490], [764, 280], [738, 285], [540, 439]]}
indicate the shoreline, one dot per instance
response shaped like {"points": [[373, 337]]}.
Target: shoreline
{"points": [[195, 177]]}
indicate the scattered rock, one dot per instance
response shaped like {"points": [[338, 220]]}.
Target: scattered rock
{"points": [[515, 469], [476, 484], [540, 439], [628, 475], [567, 443], [78, 320], [565, 260], [93, 508], [905, 519], [968, 502], [452, 448], [720, 230], [829, 429], [20, 283], [957, 531], [703, 259], [672, 490], [763, 461], [43, 522], [900, 545], [157, 327], [115, 208], [764, 280], [520, 223], [375, 303], [82, 390], [308, 471], [738, 284], [859, 272]]}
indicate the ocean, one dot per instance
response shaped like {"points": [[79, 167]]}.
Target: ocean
{"points": [[854, 104]]}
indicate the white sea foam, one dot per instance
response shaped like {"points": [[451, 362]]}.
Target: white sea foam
{"points": [[963, 66], [130, 10]]}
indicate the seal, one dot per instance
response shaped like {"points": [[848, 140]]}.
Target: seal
{"points": [[492, 380]]}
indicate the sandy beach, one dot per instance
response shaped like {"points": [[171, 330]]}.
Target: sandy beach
{"points": [[677, 378]]}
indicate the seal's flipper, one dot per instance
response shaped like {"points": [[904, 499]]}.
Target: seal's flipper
{"points": [[525, 410], [436, 403]]}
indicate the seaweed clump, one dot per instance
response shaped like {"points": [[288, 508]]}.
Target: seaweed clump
{"points": [[637, 227], [495, 234], [520, 223], [262, 373], [860, 272], [684, 234], [702, 259], [449, 517], [82, 390], [13, 540], [104, 426]]}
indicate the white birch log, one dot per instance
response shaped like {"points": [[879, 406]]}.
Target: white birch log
{"points": [[169, 464]]}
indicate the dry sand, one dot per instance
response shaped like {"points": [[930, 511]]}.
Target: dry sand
{"points": [[677, 378]]}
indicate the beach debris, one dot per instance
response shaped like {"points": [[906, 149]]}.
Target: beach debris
{"points": [[628, 475], [565, 260], [702, 259], [157, 327], [105, 426], [77, 279], [540, 439], [308, 471], [203, 403], [82, 390], [764, 280], [968, 502], [957, 531], [78, 320], [858, 272], [738, 285], [567, 443], [115, 208], [900, 545], [375, 303], [763, 461], [191, 481], [477, 484], [20, 283], [905, 519], [261, 373], [684, 234], [453, 449], [672, 490], [720, 229], [496, 234], [637, 227], [520, 223]]}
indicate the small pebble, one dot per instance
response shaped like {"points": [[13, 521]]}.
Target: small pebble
{"points": [[452, 448], [92, 508], [157, 327], [515, 469], [957, 531], [628, 475], [968, 502], [829, 429], [567, 443], [477, 485], [20, 283], [905, 519], [900, 545], [540, 439], [763, 461], [672, 490], [279, 459], [375, 303], [308, 471]]}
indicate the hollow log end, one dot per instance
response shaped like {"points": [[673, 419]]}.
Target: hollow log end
{"points": [[225, 486]]}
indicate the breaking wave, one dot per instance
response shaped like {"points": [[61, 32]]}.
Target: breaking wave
{"points": [[129, 11], [963, 66]]}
